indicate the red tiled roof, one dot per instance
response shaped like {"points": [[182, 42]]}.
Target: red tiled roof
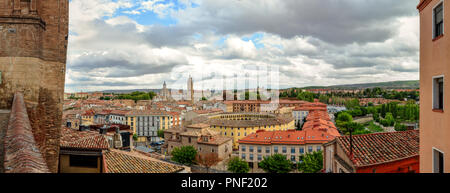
{"points": [[372, 149], [287, 137], [207, 111], [119, 112], [117, 161], [86, 140], [21, 153]]}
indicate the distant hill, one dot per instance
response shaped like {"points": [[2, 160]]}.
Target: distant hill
{"points": [[130, 91], [409, 84]]}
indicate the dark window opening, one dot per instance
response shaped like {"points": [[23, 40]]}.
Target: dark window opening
{"points": [[438, 21], [83, 161], [438, 95], [438, 158]]}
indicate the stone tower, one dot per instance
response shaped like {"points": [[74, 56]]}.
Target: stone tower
{"points": [[33, 46], [190, 86]]}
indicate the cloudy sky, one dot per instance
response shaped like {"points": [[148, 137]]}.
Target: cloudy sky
{"points": [[139, 44]]}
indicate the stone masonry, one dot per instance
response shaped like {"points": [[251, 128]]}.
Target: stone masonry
{"points": [[4, 117], [33, 47]]}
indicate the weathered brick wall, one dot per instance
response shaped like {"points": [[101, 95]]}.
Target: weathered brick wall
{"points": [[32, 61], [21, 154]]}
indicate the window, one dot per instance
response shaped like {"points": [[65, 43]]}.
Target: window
{"points": [[275, 149], [250, 148], [438, 20], [259, 157], [438, 161], [259, 149], [438, 93], [83, 161], [293, 158], [302, 150], [284, 149], [318, 148], [243, 156], [292, 150], [243, 148], [310, 149], [189, 139], [267, 149], [251, 156]]}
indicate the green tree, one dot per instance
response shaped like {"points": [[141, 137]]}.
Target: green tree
{"points": [[135, 137], [311, 162], [306, 96], [390, 119], [151, 95], [237, 165], [184, 155], [344, 117], [324, 99], [276, 163], [399, 127], [161, 133], [383, 110]]}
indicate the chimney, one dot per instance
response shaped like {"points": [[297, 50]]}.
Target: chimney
{"points": [[102, 131]]}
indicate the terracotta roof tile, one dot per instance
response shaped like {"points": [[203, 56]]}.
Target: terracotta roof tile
{"points": [[287, 137], [379, 148], [86, 140], [117, 161]]}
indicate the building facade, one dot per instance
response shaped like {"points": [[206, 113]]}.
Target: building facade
{"points": [[147, 123], [240, 125], [201, 137], [255, 147], [434, 82]]}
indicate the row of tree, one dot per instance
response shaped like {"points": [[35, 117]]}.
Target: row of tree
{"points": [[136, 96], [277, 163], [341, 98]]}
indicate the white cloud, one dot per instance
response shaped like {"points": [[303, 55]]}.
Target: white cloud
{"points": [[108, 50]]}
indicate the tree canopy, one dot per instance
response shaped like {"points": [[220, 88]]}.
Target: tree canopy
{"points": [[237, 165], [276, 163], [311, 162], [184, 155]]}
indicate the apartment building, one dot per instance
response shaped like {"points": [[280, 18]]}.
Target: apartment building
{"points": [[201, 137], [434, 72], [291, 143], [118, 117], [147, 123]]}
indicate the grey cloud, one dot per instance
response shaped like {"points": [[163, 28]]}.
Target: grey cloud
{"points": [[337, 22]]}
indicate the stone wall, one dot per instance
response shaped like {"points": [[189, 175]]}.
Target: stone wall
{"points": [[33, 47]]}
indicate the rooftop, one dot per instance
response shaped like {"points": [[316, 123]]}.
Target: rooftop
{"points": [[291, 137], [82, 140], [378, 148], [117, 161]]}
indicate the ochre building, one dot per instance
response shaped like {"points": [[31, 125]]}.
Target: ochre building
{"points": [[434, 86], [240, 125]]}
